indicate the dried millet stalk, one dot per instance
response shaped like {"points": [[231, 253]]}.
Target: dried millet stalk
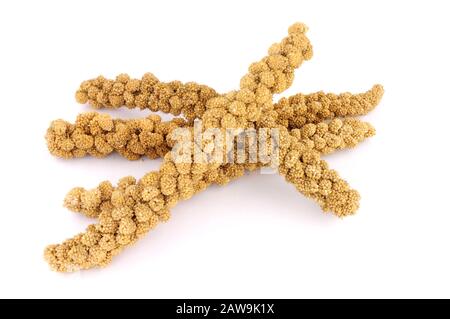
{"points": [[173, 97], [190, 99], [130, 210], [300, 109], [149, 136], [99, 135]]}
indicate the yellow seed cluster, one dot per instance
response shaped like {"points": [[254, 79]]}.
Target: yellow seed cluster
{"points": [[298, 110], [99, 135], [174, 97], [133, 207], [301, 164], [292, 112]]}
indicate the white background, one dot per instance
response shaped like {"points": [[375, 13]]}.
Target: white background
{"points": [[256, 237]]}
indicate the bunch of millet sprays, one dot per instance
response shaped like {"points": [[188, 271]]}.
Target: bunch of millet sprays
{"points": [[309, 126]]}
